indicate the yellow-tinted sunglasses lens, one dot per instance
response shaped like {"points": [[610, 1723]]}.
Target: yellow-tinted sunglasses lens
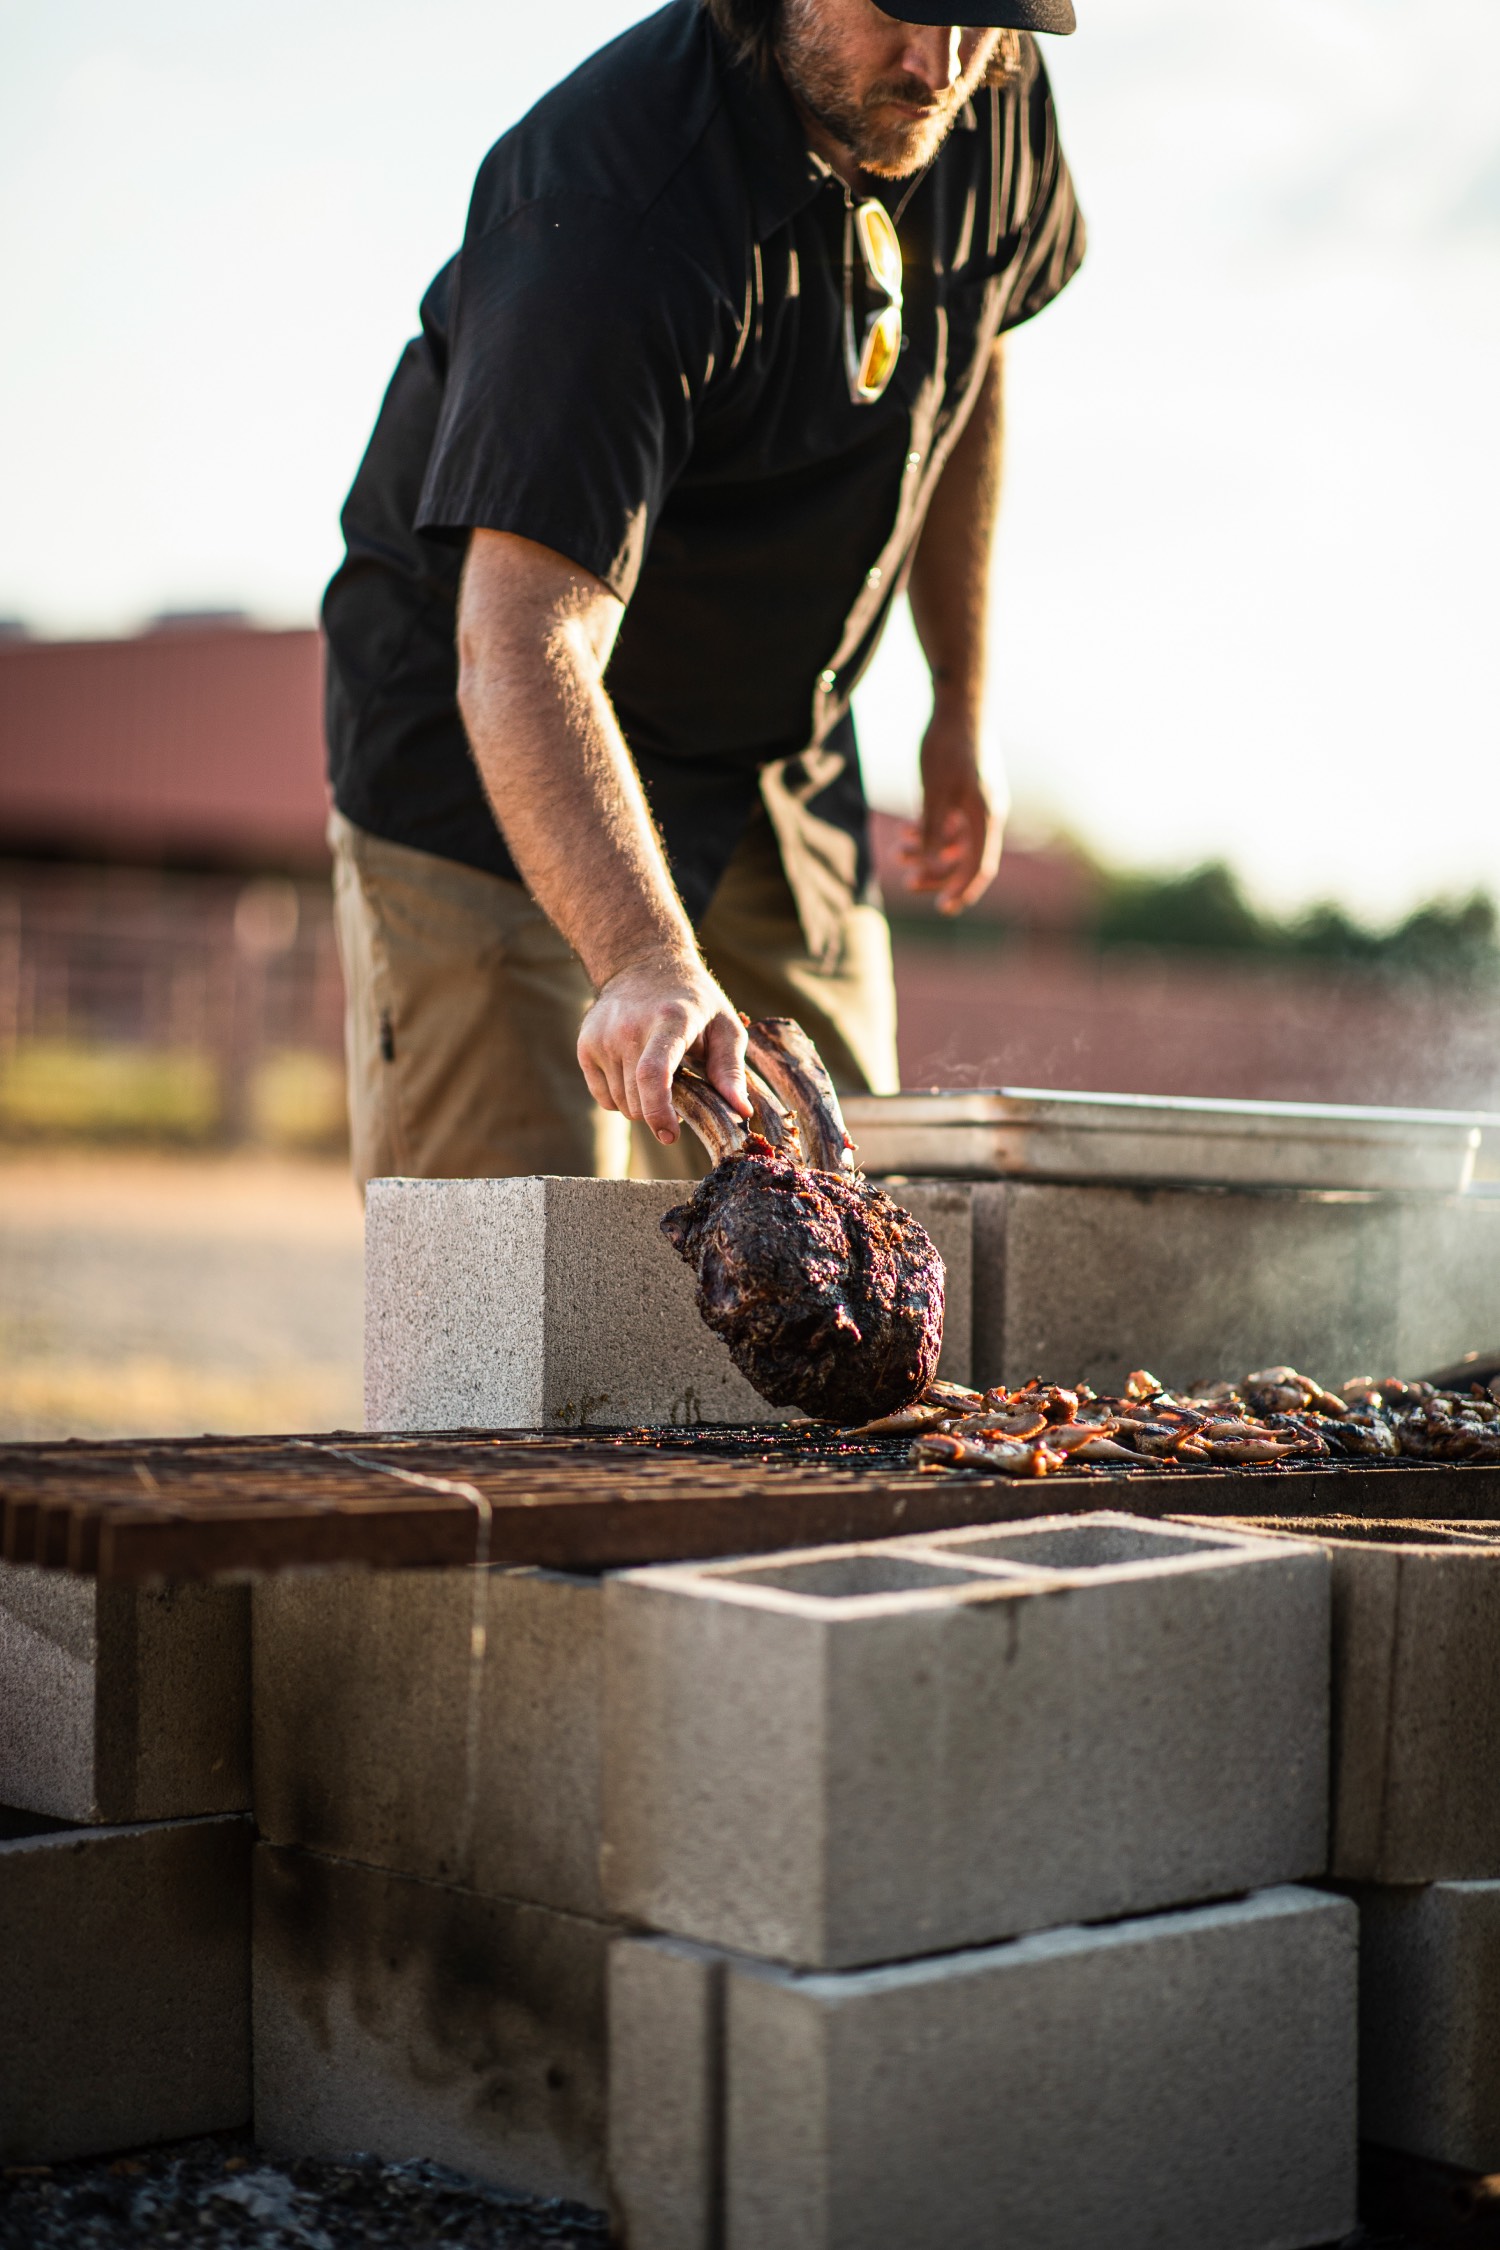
{"points": [[877, 361], [880, 247]]}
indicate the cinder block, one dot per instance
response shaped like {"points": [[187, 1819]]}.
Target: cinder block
{"points": [[124, 1986], [1429, 2021], [1084, 1283], [1154, 2085], [555, 1303], [1417, 1711], [415, 2019], [850, 1755], [119, 1703], [1169, 2083], [946, 1209], [1416, 1703], [666, 2095], [381, 1736]]}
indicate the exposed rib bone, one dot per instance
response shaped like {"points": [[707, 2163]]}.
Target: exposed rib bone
{"points": [[704, 1108], [787, 1060], [769, 1119]]}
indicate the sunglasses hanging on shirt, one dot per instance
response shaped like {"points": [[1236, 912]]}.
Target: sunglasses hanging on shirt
{"points": [[871, 350]]}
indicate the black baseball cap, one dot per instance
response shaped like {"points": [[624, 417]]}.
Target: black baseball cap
{"points": [[1012, 15]]}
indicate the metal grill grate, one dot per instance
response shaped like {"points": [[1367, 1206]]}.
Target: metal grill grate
{"points": [[198, 1508]]}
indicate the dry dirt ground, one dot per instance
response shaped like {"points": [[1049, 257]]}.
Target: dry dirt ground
{"points": [[156, 1295]]}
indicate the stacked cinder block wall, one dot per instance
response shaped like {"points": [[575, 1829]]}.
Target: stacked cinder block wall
{"points": [[1082, 1283], [429, 1937], [975, 1869], [896, 1826], [556, 1303], [430, 1934], [1415, 1832], [124, 1864], [937, 1813]]}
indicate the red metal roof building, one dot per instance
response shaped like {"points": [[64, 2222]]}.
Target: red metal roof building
{"points": [[199, 743], [194, 745]]}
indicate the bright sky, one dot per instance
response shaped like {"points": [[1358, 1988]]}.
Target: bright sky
{"points": [[1249, 597]]}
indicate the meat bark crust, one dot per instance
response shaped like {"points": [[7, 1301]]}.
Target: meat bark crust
{"points": [[828, 1295]]}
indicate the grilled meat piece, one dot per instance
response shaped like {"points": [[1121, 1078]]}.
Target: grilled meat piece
{"points": [[1274, 1415], [828, 1295], [944, 1451], [1363, 1435], [940, 1402]]}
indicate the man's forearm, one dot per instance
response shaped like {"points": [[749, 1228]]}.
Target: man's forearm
{"points": [[534, 636], [950, 579], [555, 765], [956, 849]]}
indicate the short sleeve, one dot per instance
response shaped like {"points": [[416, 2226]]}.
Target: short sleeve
{"points": [[1054, 239], [578, 348]]}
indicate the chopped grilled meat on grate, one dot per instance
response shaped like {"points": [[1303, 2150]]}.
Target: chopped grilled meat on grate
{"points": [[828, 1295], [1274, 1415]]}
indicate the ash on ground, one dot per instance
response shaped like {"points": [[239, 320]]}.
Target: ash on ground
{"points": [[223, 2190]]}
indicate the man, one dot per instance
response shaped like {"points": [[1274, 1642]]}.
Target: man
{"points": [[715, 376]]}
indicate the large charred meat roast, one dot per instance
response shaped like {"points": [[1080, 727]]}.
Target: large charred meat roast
{"points": [[828, 1295]]}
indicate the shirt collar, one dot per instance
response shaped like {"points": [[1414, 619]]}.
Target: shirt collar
{"points": [[782, 172]]}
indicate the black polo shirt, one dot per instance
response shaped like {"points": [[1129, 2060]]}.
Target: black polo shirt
{"points": [[637, 359]]}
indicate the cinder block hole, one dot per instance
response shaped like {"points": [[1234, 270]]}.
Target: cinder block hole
{"points": [[1377, 1533], [1084, 1546], [844, 1577]]}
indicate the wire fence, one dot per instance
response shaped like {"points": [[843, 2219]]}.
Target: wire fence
{"points": [[198, 1008], [140, 1004]]}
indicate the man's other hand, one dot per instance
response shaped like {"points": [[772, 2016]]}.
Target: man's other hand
{"points": [[954, 851], [646, 1019]]}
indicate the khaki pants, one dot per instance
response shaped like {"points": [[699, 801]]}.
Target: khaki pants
{"points": [[463, 1008]]}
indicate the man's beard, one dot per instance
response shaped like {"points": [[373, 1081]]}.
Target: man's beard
{"points": [[891, 148]]}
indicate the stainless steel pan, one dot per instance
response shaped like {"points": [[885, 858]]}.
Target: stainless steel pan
{"points": [[1021, 1132]]}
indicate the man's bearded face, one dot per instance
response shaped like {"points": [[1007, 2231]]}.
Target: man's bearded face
{"points": [[889, 92]]}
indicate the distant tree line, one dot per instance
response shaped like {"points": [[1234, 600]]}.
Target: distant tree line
{"points": [[1207, 910]]}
